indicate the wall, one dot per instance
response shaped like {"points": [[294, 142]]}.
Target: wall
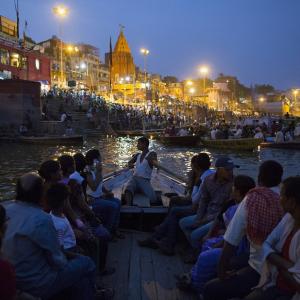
{"points": [[19, 103]]}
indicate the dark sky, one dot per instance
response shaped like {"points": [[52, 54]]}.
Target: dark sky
{"points": [[256, 40]]}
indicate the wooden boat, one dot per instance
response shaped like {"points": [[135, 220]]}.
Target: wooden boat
{"points": [[139, 132], [52, 140], [163, 184], [286, 145], [188, 140], [247, 144]]}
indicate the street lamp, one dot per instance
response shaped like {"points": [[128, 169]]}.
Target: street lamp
{"points": [[61, 12], [145, 52], [261, 99], [204, 70]]}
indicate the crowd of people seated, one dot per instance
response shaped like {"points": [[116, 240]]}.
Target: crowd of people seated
{"points": [[55, 236], [243, 240]]}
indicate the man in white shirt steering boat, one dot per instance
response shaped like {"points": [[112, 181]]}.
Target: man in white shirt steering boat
{"points": [[140, 181]]}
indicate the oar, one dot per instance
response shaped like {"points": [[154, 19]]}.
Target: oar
{"points": [[115, 173], [168, 171]]}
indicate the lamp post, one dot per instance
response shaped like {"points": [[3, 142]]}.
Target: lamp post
{"points": [[145, 52], [61, 12], [204, 71]]}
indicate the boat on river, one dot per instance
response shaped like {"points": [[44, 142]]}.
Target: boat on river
{"points": [[293, 145], [47, 140], [187, 140], [242, 144], [139, 132], [165, 185]]}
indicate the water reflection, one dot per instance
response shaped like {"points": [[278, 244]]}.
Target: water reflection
{"points": [[16, 159]]}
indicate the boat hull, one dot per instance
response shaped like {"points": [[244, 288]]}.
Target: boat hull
{"points": [[52, 140], [286, 145], [233, 144], [189, 140]]}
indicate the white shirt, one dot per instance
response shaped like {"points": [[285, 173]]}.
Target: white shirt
{"points": [[98, 192], [196, 194], [258, 135], [142, 169], [182, 132], [213, 134], [238, 133], [65, 233], [279, 138], [237, 229], [77, 177]]}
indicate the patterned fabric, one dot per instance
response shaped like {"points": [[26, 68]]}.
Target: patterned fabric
{"points": [[264, 212]]}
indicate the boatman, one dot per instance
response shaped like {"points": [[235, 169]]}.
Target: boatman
{"points": [[140, 181]]}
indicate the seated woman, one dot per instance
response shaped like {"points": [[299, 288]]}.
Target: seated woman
{"points": [[102, 201], [95, 237], [206, 265], [7, 272], [280, 277]]}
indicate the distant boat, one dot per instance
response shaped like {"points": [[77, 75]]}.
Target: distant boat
{"points": [[139, 132], [242, 144], [47, 140], [294, 145], [187, 140]]}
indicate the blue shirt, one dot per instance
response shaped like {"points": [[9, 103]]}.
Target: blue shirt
{"points": [[31, 245]]}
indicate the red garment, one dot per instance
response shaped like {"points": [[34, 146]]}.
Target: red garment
{"points": [[7, 281], [263, 213], [281, 282]]}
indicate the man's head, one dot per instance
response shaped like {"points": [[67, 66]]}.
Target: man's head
{"points": [[57, 195], [143, 143], [67, 164], [91, 155], [30, 188], [80, 162], [242, 184], [225, 166], [200, 162], [290, 196], [50, 170], [270, 173]]}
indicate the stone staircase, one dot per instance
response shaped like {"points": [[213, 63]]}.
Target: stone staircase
{"points": [[80, 123]]}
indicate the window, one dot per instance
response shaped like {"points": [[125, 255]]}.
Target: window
{"points": [[24, 62], [37, 64], [4, 56], [15, 59]]}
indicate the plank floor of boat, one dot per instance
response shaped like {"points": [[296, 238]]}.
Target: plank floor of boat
{"points": [[143, 273]]}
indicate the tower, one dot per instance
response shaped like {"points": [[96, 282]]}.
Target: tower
{"points": [[122, 60]]}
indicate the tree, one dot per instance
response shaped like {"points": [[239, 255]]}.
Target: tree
{"points": [[170, 79], [264, 89]]}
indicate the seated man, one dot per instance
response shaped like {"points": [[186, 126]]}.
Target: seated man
{"points": [[140, 181], [31, 245], [165, 235], [216, 189]]}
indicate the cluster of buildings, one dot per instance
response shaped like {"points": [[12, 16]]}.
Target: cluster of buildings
{"points": [[55, 63]]}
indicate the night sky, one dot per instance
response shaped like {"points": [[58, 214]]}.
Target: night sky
{"points": [[256, 40]]}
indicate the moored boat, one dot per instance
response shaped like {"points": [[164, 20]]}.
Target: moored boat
{"points": [[47, 140], [294, 145], [139, 132], [188, 140], [243, 144]]}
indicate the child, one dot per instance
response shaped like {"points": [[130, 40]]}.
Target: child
{"points": [[57, 197]]}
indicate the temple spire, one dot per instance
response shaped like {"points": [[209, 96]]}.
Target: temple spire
{"points": [[122, 45]]}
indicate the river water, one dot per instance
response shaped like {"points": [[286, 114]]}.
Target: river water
{"points": [[16, 159]]}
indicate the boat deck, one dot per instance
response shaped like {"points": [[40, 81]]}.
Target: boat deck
{"points": [[143, 273]]}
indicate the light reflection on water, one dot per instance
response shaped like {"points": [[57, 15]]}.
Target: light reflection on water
{"points": [[16, 159]]}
